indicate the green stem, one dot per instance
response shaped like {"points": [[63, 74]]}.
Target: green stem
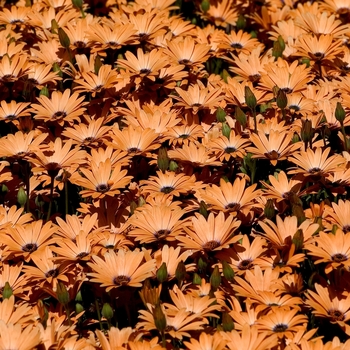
{"points": [[98, 314], [255, 122], [66, 308], [163, 340], [66, 197]]}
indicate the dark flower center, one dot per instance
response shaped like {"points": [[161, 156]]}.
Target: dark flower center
{"points": [[11, 117], [145, 71], [336, 315], [339, 257], [237, 45], [319, 55], [102, 188], [294, 107], [254, 77], [184, 136], [281, 327], [51, 273], [169, 328], [245, 264], [167, 189], [33, 81], [30, 247], [133, 149], [185, 61], [233, 206], [314, 170], [82, 255], [230, 149], [109, 246], [161, 233], [80, 44], [211, 245], [196, 104], [59, 115], [346, 228], [287, 90], [98, 87], [273, 155], [121, 280]]}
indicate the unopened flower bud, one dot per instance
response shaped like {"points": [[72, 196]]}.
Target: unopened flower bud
{"points": [[281, 99], [43, 313], [229, 274], [205, 5], [79, 308], [163, 159], [196, 279], [173, 166], [159, 318], [202, 264], [180, 272], [64, 38], [277, 50], [295, 138], [298, 211], [220, 115], [78, 3], [98, 64], [107, 311], [306, 130], [334, 229], [22, 197], [54, 26], [339, 113], [306, 61], [250, 98], [241, 22], [224, 75], [44, 92], [133, 206], [240, 116], [226, 130], [269, 209], [62, 293], [162, 273], [227, 322], [298, 239], [57, 68], [7, 291], [215, 278], [281, 42], [203, 209]]}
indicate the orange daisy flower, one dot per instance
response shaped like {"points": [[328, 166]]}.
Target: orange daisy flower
{"points": [[213, 233], [179, 134], [136, 141], [13, 110], [239, 42], [61, 108], [17, 281], [13, 69], [284, 323], [156, 224], [340, 215], [121, 269], [207, 341], [221, 13], [316, 163], [40, 75], [169, 182], [116, 338], [332, 249], [101, 180], [16, 15], [229, 197]]}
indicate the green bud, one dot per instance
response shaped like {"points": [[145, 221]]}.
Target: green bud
{"points": [[298, 239], [281, 42], [57, 68], [79, 308], [277, 50], [62, 293], [97, 64], [240, 116], [226, 130], [78, 3], [306, 61], [295, 138], [64, 39], [229, 274], [43, 313], [79, 297], [173, 166], [194, 21], [205, 5], [22, 197], [254, 34], [162, 273], [7, 291], [250, 98], [163, 159], [202, 265], [306, 130], [224, 75], [141, 201], [269, 210], [203, 209], [281, 99], [44, 92], [54, 26], [180, 272], [197, 279], [334, 229], [4, 189], [227, 322], [241, 22], [298, 211], [215, 278], [339, 113], [159, 318], [220, 115], [107, 311]]}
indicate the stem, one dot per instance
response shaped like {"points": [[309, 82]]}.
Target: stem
{"points": [[52, 185], [66, 197], [255, 123], [163, 340], [98, 314], [66, 308]]}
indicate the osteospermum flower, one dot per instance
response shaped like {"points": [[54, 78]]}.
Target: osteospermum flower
{"points": [[213, 233], [101, 180], [207, 341], [121, 269], [169, 182], [340, 215], [332, 249], [13, 110], [61, 107]]}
